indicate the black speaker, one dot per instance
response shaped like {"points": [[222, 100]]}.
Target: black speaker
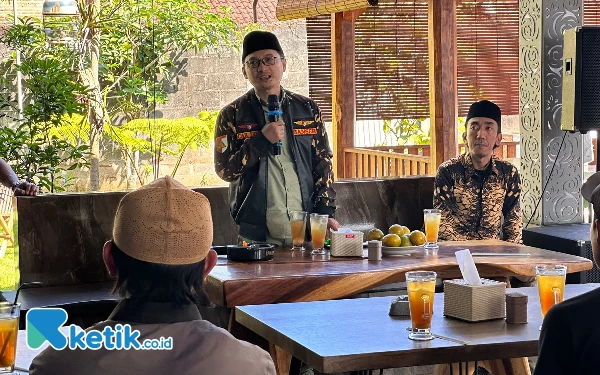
{"points": [[581, 79], [571, 239]]}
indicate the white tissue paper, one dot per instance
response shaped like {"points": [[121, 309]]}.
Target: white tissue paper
{"points": [[467, 267], [344, 230]]}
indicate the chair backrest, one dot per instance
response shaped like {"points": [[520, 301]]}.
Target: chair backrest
{"points": [[6, 200], [61, 235]]}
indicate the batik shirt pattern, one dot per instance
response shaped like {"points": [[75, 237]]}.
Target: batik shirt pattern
{"points": [[476, 208]]}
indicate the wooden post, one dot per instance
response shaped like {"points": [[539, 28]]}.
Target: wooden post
{"points": [[343, 85], [443, 96]]}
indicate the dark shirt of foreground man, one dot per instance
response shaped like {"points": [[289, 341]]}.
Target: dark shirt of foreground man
{"points": [[570, 336]]}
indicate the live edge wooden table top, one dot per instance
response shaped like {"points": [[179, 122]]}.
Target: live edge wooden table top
{"points": [[294, 276]]}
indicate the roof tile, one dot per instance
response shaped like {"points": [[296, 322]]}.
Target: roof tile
{"points": [[242, 13]]}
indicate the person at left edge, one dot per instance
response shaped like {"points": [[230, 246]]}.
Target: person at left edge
{"points": [[264, 188]]}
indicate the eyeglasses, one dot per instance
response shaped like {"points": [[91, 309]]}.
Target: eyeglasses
{"points": [[268, 60]]}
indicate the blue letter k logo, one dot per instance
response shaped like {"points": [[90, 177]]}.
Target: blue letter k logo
{"points": [[43, 325]]}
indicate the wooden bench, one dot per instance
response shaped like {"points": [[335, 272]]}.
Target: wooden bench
{"points": [[85, 304], [61, 235]]}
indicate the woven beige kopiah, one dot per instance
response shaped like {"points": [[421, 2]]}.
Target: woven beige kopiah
{"points": [[474, 303], [346, 244]]}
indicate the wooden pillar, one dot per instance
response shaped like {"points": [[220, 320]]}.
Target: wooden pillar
{"points": [[443, 97], [343, 85]]}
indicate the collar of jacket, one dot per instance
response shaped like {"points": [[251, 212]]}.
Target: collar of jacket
{"points": [[132, 311], [282, 97], [467, 163]]}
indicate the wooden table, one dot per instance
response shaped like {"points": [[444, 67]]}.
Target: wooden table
{"points": [[358, 334], [293, 276]]}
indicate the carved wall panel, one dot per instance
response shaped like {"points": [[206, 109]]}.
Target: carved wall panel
{"points": [[540, 99]]}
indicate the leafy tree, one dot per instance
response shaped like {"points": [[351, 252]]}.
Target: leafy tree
{"points": [[52, 93], [127, 55], [143, 43]]}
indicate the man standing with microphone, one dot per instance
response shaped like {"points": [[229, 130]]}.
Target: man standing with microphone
{"points": [[271, 145]]}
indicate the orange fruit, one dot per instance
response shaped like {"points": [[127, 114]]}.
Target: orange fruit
{"points": [[417, 237], [375, 235], [406, 230], [396, 229], [405, 241], [391, 240]]}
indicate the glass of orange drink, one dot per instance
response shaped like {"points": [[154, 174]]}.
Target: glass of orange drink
{"points": [[9, 328], [551, 285], [318, 230], [421, 290], [432, 219], [298, 225]]}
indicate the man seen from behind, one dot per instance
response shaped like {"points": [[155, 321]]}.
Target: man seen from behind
{"points": [[160, 254]]}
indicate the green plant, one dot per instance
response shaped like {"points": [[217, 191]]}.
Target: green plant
{"points": [[407, 131], [162, 137], [142, 44], [52, 94]]}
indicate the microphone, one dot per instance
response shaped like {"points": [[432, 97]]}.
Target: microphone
{"points": [[274, 111]]}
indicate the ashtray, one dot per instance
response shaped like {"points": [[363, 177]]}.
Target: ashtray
{"points": [[221, 250], [255, 251], [400, 306]]}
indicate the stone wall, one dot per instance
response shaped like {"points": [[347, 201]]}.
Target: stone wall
{"points": [[213, 79]]}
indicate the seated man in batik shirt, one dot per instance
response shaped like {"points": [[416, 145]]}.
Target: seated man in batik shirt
{"points": [[478, 193]]}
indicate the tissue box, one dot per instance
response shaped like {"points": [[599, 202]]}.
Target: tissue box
{"points": [[474, 303], [346, 244]]}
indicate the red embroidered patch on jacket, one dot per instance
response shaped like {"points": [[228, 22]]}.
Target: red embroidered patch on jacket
{"points": [[245, 135], [247, 126], [309, 131]]}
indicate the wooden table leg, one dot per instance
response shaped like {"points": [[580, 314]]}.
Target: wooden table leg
{"points": [[281, 358], [506, 366], [457, 369]]}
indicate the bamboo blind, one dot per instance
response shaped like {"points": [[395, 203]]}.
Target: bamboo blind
{"points": [[293, 9]]}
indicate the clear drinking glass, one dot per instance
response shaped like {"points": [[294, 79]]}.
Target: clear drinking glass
{"points": [[432, 219], [318, 229], [9, 329], [551, 285], [298, 224], [421, 291]]}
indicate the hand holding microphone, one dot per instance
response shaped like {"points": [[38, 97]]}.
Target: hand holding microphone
{"points": [[278, 128], [274, 132]]}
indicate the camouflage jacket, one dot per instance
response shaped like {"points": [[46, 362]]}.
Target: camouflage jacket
{"points": [[472, 213], [242, 151]]}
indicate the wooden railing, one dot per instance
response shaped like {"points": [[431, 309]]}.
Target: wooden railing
{"points": [[507, 149], [387, 161], [364, 163]]}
